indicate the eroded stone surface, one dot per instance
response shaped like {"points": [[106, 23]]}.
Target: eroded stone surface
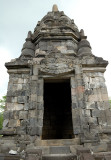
{"points": [[55, 52]]}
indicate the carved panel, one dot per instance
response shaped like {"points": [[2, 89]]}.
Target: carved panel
{"points": [[56, 63]]}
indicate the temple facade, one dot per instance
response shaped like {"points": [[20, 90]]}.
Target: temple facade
{"points": [[57, 103]]}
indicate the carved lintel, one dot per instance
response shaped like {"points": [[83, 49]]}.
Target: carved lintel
{"points": [[56, 72], [55, 64]]}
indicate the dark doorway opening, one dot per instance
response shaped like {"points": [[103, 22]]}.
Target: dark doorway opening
{"points": [[57, 121]]}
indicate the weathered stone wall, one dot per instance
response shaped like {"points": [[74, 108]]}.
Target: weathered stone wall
{"points": [[95, 91], [17, 99], [64, 46], [97, 104], [16, 111]]}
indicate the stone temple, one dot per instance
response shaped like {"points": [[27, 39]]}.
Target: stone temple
{"points": [[57, 102]]}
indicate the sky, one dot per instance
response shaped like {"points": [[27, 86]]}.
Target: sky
{"points": [[17, 17]]}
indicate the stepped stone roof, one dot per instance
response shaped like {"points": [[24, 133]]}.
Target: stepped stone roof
{"points": [[56, 21], [55, 33]]}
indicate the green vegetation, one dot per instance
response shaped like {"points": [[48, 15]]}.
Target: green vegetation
{"points": [[110, 103], [2, 103], [1, 120], [2, 106]]}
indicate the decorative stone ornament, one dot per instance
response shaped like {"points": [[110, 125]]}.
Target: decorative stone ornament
{"points": [[57, 103], [55, 8], [55, 63]]}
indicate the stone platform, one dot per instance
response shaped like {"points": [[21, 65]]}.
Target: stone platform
{"points": [[81, 154], [9, 157], [59, 157]]}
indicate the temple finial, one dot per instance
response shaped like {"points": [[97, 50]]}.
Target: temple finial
{"points": [[82, 34], [29, 34], [55, 8]]}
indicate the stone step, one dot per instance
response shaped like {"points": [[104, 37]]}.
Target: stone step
{"points": [[102, 155], [87, 156], [9, 157], [51, 149], [59, 150], [59, 142], [59, 157]]}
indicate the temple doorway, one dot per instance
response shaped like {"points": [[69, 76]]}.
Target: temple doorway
{"points": [[57, 120]]}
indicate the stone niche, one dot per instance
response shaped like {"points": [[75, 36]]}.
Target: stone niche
{"points": [[57, 102]]}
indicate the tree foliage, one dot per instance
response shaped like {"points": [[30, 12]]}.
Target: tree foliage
{"points": [[110, 103], [2, 106], [1, 120], [2, 103]]}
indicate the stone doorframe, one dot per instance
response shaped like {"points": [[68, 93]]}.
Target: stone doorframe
{"points": [[77, 89]]}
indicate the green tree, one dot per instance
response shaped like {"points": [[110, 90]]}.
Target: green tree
{"points": [[1, 120], [2, 106], [2, 103], [110, 103]]}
